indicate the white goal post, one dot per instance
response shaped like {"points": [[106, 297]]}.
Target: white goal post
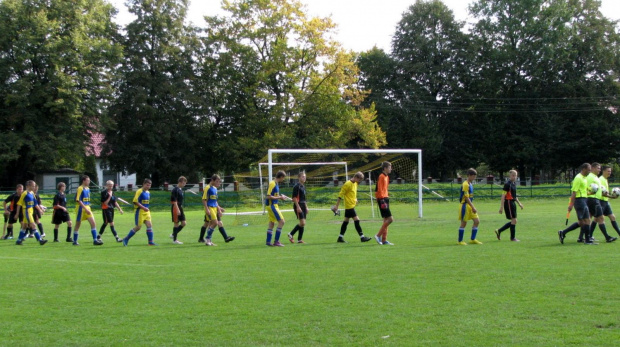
{"points": [[270, 162]]}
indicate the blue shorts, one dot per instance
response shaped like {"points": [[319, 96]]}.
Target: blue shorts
{"points": [[594, 206], [606, 206], [581, 208]]}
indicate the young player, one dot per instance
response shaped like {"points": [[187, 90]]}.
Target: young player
{"points": [[273, 210], [467, 210], [6, 222], [578, 200], [383, 200], [108, 203], [594, 205], [142, 214], [61, 214], [37, 212], [605, 173], [28, 203], [301, 209], [213, 212], [508, 204], [83, 212], [348, 193], [12, 200], [178, 215]]}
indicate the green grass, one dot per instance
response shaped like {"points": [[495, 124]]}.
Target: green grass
{"points": [[423, 291]]}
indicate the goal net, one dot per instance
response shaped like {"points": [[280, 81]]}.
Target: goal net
{"points": [[326, 171]]}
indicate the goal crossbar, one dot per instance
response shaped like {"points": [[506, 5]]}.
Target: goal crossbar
{"points": [[270, 162]]}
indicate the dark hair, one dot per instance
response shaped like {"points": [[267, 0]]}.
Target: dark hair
{"points": [[595, 164], [605, 167], [385, 164], [215, 177], [60, 184], [147, 180], [280, 174], [84, 178], [19, 186], [583, 166]]}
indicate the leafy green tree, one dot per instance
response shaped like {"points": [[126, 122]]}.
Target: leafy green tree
{"points": [[56, 72], [155, 117]]}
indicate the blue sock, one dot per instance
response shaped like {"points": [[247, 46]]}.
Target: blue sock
{"points": [[278, 233], [130, 235], [75, 236], [269, 233], [209, 233], [94, 232], [22, 234], [37, 235], [474, 232], [461, 233], [149, 234]]}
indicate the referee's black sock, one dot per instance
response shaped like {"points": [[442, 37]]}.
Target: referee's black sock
{"points": [[604, 231], [294, 229], [301, 233], [613, 223], [343, 228], [570, 228], [504, 227], [358, 227]]}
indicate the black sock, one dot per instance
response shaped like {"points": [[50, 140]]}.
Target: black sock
{"points": [[40, 228], [358, 227], [102, 229], [175, 232], [55, 234], [179, 228], [343, 228], [301, 233], [570, 228], [223, 232], [294, 230], [113, 231], [604, 231], [9, 231], [203, 230], [504, 227], [68, 233], [613, 224], [585, 229], [513, 231]]}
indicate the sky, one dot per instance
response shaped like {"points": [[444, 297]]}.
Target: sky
{"points": [[362, 24]]}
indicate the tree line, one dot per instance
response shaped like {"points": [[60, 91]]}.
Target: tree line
{"points": [[531, 84]]}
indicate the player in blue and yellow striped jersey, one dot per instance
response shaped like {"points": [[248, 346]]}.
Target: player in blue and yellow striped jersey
{"points": [[83, 212], [467, 210], [213, 211], [28, 204], [271, 202], [142, 213]]}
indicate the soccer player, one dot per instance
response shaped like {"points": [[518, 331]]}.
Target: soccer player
{"points": [[348, 193], [606, 206], [178, 215], [578, 200], [508, 204], [301, 209], [108, 203], [381, 193], [142, 214], [467, 210], [37, 212], [594, 205], [213, 212], [28, 203], [83, 212], [61, 214], [12, 200], [273, 210]]}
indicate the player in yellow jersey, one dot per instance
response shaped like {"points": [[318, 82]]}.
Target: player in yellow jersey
{"points": [[142, 213], [348, 193], [578, 200], [273, 210], [595, 204], [28, 203], [467, 210]]}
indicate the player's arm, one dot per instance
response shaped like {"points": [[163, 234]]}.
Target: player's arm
{"points": [[175, 203], [118, 206], [501, 203], [6, 210], [571, 202], [107, 196], [519, 202], [471, 204]]}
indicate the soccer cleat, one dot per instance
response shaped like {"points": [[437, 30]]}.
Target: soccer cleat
{"points": [[475, 242], [56, 240], [561, 236], [462, 243], [341, 240], [201, 240], [30, 236], [611, 239], [99, 237], [229, 239], [97, 242], [118, 239], [580, 240], [278, 244], [497, 233], [43, 235], [388, 243], [69, 240], [268, 244], [18, 242], [515, 240], [75, 244], [177, 242], [171, 236], [590, 243], [365, 238], [42, 242], [378, 239], [125, 241], [300, 241], [152, 244], [210, 243], [290, 238]]}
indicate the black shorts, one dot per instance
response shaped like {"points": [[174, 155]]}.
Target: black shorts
{"points": [[384, 207], [304, 211], [350, 213], [510, 209], [108, 215], [581, 208], [13, 219], [37, 214], [60, 216], [177, 218], [606, 206], [594, 207]]}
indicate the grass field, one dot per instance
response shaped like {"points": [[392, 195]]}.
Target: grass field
{"points": [[425, 290]]}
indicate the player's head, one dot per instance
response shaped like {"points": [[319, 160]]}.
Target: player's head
{"points": [[30, 185], [146, 184], [606, 171], [280, 176], [181, 181], [358, 177], [109, 184], [596, 168], [85, 180], [513, 175], [585, 168], [471, 174], [61, 186], [36, 188], [216, 180], [19, 188], [302, 177], [386, 166]]}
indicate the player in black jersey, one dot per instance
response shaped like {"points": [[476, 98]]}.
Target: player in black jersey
{"points": [[61, 214], [508, 205], [12, 209], [108, 204], [301, 209], [178, 215]]}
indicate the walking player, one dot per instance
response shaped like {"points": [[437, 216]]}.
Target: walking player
{"points": [[508, 205]]}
